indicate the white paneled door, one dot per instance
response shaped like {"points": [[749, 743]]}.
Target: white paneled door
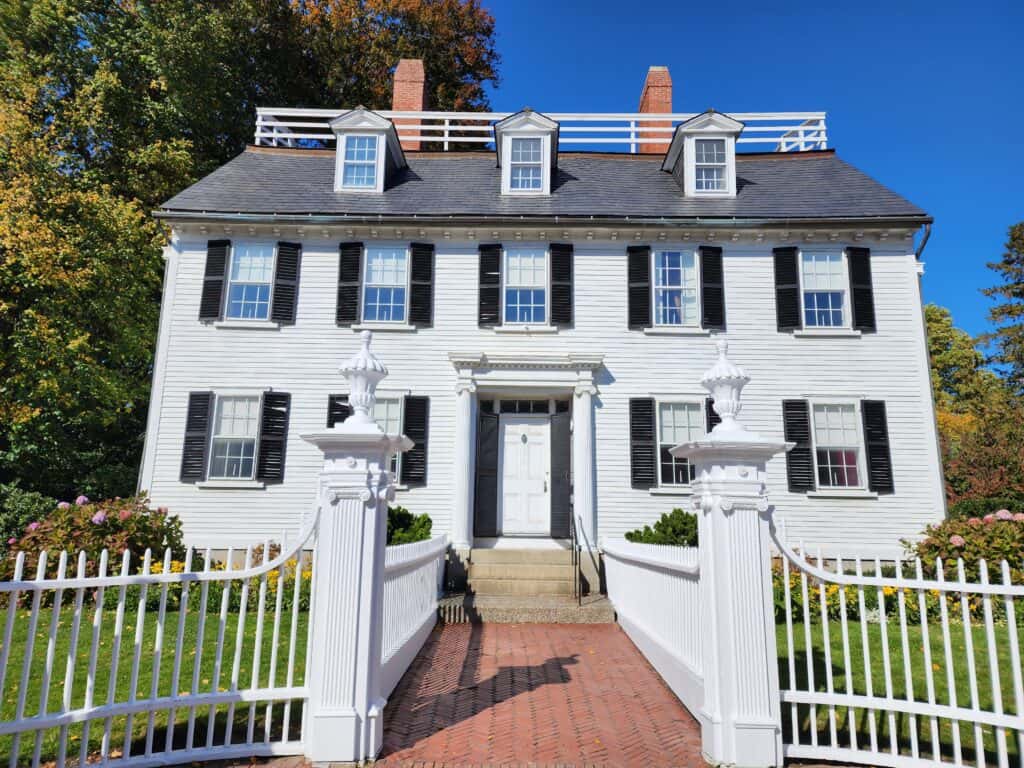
{"points": [[525, 460]]}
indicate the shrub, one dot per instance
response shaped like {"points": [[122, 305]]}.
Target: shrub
{"points": [[979, 507], [18, 508], [677, 528], [993, 537], [404, 527]]}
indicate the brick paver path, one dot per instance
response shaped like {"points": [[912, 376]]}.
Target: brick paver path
{"points": [[507, 694]]}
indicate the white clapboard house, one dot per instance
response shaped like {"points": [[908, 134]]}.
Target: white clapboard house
{"points": [[546, 291]]}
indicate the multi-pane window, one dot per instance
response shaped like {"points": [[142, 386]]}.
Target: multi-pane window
{"points": [[249, 281], [359, 165], [385, 287], [675, 288], [710, 165], [387, 412], [526, 164], [235, 429], [837, 440], [824, 289], [526, 282], [677, 423]]}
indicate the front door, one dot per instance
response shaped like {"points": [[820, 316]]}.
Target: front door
{"points": [[525, 470]]}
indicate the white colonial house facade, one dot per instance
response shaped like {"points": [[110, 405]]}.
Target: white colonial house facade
{"points": [[546, 315]]}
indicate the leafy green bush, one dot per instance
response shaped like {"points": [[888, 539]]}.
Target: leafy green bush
{"points": [[976, 507], [994, 537], [404, 527], [677, 528], [18, 508]]}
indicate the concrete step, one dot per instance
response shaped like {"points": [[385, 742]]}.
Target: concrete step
{"points": [[519, 556], [520, 571], [524, 587], [536, 609]]}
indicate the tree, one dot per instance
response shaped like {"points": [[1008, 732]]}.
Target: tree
{"points": [[1008, 314], [960, 381]]}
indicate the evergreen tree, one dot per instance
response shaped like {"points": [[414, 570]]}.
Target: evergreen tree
{"points": [[1008, 314]]}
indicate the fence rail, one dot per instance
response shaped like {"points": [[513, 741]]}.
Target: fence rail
{"points": [[906, 664], [615, 131]]}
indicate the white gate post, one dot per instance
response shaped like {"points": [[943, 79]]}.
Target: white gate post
{"points": [[345, 700], [740, 718]]}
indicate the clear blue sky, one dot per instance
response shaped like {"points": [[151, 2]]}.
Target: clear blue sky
{"points": [[927, 97]]}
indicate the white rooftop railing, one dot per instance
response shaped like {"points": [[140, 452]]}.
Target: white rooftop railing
{"points": [[614, 131]]}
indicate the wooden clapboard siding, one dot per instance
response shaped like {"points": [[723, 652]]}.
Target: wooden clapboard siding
{"points": [[303, 359]]}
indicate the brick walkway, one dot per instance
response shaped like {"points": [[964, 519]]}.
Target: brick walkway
{"points": [[507, 694]]}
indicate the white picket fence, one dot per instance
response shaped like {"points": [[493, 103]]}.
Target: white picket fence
{"points": [[164, 662], [413, 580], [912, 664], [655, 591]]}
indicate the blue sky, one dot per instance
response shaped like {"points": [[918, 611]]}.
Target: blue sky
{"points": [[927, 97]]}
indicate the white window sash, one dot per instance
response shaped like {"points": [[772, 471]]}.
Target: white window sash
{"points": [[858, 446], [546, 287], [214, 437], [373, 164], [653, 267], [270, 283], [367, 284], [844, 277], [658, 403]]}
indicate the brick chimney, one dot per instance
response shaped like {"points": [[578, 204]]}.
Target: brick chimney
{"points": [[409, 95], [656, 97]]}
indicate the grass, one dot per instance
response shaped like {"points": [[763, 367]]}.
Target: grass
{"points": [[132, 731], [903, 727]]}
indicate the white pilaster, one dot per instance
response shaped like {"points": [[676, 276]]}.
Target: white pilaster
{"points": [[465, 461], [740, 719], [345, 722], [583, 460]]}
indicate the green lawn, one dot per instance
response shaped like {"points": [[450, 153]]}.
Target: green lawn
{"points": [[204, 657], [920, 669]]}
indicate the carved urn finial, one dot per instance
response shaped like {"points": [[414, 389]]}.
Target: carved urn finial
{"points": [[364, 372], [725, 381]]}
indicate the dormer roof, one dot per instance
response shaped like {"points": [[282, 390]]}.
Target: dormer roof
{"points": [[709, 122], [363, 120], [526, 121]]}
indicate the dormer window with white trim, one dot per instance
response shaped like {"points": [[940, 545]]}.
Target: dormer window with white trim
{"points": [[702, 155], [368, 151], [359, 162], [527, 148]]}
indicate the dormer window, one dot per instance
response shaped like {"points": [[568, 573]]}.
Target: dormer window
{"points": [[702, 155], [527, 148], [359, 162]]}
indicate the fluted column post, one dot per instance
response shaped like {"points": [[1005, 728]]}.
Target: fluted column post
{"points": [[346, 705], [465, 453], [583, 460], [740, 716]]}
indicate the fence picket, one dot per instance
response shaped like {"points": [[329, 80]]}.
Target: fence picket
{"points": [[993, 666], [929, 676], [790, 650], [239, 641], [26, 665], [204, 592], [908, 673], [948, 655], [51, 653], [219, 654], [158, 647], [12, 614], [1018, 683], [965, 610], [178, 647], [808, 649], [115, 655], [847, 666], [866, 653], [275, 640], [140, 628], [257, 646], [826, 642], [69, 662]]}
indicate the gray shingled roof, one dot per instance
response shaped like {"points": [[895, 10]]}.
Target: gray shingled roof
{"points": [[812, 185]]}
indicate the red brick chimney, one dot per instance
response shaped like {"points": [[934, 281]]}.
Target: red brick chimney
{"points": [[409, 95], [656, 97]]}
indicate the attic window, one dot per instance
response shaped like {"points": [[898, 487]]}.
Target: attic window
{"points": [[359, 166], [711, 165], [527, 164]]}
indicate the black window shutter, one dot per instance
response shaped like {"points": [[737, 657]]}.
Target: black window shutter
{"points": [[862, 293], [787, 289], [198, 418], [350, 272], [286, 283], [561, 284], [876, 444], [338, 409], [421, 285], [712, 288], [796, 421], [561, 476], [212, 300], [273, 437], [489, 310], [712, 418], [485, 500], [643, 449], [639, 288], [413, 468]]}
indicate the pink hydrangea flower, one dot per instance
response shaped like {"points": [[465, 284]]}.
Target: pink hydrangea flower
{"points": [[82, 500], [989, 518], [1019, 517], [33, 526], [12, 540], [162, 510], [64, 505], [957, 541], [1004, 514], [975, 521], [124, 514], [99, 517]]}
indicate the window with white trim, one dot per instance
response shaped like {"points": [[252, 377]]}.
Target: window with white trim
{"points": [[526, 171], [359, 162], [250, 281], [824, 284], [526, 286], [711, 165], [386, 285], [675, 288], [677, 423], [387, 412], [837, 445], [236, 424]]}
